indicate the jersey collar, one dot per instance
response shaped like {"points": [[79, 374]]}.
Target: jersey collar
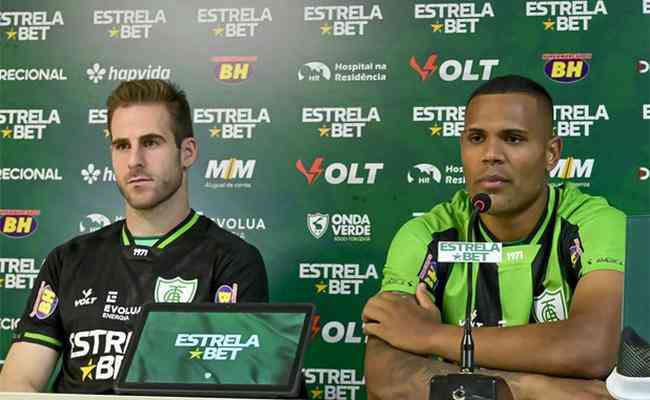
{"points": [[169, 237], [540, 227]]}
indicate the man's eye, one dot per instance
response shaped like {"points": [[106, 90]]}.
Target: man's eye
{"points": [[150, 142], [475, 138], [120, 146], [514, 139]]}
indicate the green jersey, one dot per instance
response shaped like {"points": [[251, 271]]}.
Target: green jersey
{"points": [[537, 276]]}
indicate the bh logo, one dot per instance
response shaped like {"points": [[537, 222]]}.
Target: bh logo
{"points": [[234, 69], [18, 224]]}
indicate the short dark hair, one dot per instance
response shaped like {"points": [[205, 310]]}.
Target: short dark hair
{"points": [[155, 91], [515, 84]]}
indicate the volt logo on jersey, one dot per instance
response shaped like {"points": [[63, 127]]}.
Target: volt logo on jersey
{"points": [[176, 290]]}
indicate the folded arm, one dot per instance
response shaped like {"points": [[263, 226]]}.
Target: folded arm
{"points": [[583, 346]]}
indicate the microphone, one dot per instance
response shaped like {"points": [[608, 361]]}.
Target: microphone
{"points": [[481, 202], [466, 385]]}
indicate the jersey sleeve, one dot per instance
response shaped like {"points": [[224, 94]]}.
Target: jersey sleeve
{"points": [[41, 321], [602, 240], [405, 256], [242, 277]]}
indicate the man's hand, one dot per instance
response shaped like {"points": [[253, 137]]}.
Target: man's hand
{"points": [[397, 319]]}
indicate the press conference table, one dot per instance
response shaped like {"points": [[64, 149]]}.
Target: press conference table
{"points": [[61, 396]]}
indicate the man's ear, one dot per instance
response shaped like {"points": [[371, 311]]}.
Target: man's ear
{"points": [[189, 152], [553, 152]]}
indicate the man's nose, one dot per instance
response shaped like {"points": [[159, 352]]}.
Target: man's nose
{"points": [[136, 157], [493, 151]]}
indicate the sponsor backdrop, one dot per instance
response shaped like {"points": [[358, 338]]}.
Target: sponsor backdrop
{"points": [[323, 127]]}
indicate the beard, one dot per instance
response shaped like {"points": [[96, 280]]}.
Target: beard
{"points": [[154, 197]]}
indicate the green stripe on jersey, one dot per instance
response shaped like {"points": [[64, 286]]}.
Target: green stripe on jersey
{"points": [[179, 232], [42, 338]]}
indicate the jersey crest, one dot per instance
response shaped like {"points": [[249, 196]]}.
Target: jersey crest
{"points": [[176, 290], [550, 306]]}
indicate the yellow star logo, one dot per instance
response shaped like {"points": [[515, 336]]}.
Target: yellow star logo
{"points": [[6, 133], [195, 353], [11, 34], [113, 32], [437, 27], [326, 29], [549, 24], [2, 280], [316, 393], [320, 287], [215, 132], [218, 31], [324, 131], [107, 133], [435, 130], [87, 370]]}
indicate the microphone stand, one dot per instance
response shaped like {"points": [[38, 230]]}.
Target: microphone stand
{"points": [[467, 385]]}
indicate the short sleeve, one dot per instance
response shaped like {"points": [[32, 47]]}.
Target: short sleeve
{"points": [[241, 277], [405, 256], [41, 321], [602, 240]]}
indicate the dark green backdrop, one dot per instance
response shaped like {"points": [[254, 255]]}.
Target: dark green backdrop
{"points": [[368, 71]]}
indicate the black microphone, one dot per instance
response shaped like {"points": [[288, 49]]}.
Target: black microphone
{"points": [[481, 202], [466, 385]]}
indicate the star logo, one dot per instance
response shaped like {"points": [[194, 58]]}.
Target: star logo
{"points": [[435, 130], [215, 132], [196, 353], [113, 32], [2, 281], [324, 131], [326, 29], [437, 27], [549, 25], [320, 287], [11, 34], [6, 133], [106, 133], [456, 256], [316, 393], [218, 31], [87, 370]]}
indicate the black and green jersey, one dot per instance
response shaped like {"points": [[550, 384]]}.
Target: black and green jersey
{"points": [[90, 290], [536, 279]]}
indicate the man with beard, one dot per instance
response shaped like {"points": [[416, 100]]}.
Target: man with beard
{"points": [[547, 316], [91, 289]]}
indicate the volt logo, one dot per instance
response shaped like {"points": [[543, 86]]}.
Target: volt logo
{"points": [[315, 170], [429, 66], [452, 70], [338, 173]]}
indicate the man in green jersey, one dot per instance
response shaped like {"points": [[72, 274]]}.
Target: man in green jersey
{"points": [[547, 316]]}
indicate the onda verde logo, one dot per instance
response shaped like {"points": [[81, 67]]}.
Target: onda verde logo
{"points": [[215, 346]]}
